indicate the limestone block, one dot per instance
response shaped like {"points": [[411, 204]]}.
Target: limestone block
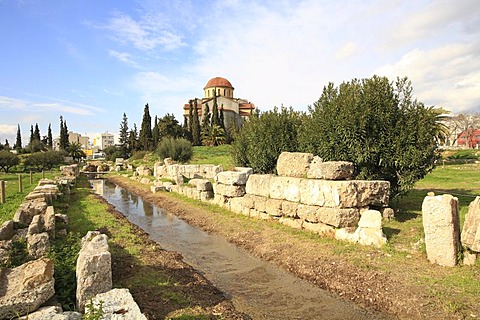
{"points": [[388, 214], [307, 213], [260, 203], [229, 190], [38, 245], [285, 188], [293, 223], [49, 221], [201, 184], [38, 196], [471, 227], [159, 170], [248, 201], [27, 210], [319, 228], [43, 182], [258, 184], [168, 161], [338, 217], [145, 181], [274, 207], [442, 229], [143, 170], [219, 199], [347, 234], [93, 271], [370, 229], [37, 225], [371, 219], [6, 230], [236, 205], [330, 170], [52, 313], [5, 249], [206, 195], [114, 301], [294, 164], [235, 178], [246, 170], [289, 209], [25, 288], [344, 194], [469, 258]]}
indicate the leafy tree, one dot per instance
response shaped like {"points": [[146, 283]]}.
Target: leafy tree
{"points": [[378, 126], [464, 123], [196, 130], [168, 126], [18, 141], [264, 136], [113, 152], [75, 151], [44, 160], [145, 139], [123, 137], [216, 136], [8, 160], [205, 130]]}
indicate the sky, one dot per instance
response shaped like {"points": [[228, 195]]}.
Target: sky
{"points": [[91, 61]]}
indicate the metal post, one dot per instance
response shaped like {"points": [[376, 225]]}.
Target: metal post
{"points": [[2, 192], [31, 177], [20, 183]]}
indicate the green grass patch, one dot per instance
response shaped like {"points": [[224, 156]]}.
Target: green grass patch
{"points": [[220, 155]]}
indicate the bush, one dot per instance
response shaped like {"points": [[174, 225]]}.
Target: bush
{"points": [[178, 149], [376, 125], [138, 155], [44, 160], [8, 160], [263, 137]]}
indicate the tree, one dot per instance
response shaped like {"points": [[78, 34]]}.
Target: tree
{"points": [[18, 141], [264, 136], [190, 116], [464, 125], [205, 130], [215, 116], [63, 134], [196, 130], [133, 138], [216, 136], [123, 137], [8, 160], [378, 126], [75, 151], [168, 126], [222, 118], [35, 144], [36, 133], [177, 149], [44, 160], [49, 137], [145, 139], [155, 133]]}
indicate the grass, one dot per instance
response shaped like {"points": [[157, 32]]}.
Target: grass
{"points": [[220, 155], [13, 197]]}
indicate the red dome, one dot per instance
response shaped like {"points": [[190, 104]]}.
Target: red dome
{"points": [[218, 82]]}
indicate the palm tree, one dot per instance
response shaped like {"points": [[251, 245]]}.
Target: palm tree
{"points": [[216, 136], [75, 151]]}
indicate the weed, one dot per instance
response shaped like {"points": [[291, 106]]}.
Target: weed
{"points": [[93, 311]]}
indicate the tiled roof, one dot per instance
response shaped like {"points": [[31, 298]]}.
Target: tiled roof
{"points": [[218, 82]]}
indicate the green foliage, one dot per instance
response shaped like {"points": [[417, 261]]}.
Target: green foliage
{"points": [[64, 253], [465, 155], [75, 151], [123, 137], [44, 160], [196, 129], [169, 127], [264, 137], [376, 125], [178, 149], [17, 255], [220, 155], [93, 312], [138, 155], [145, 139], [113, 152], [8, 160]]}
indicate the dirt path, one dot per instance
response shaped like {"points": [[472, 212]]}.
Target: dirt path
{"points": [[373, 289]]}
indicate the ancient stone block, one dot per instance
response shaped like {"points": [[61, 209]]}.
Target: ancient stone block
{"points": [[307, 213], [344, 194], [258, 184], [274, 207], [330, 170], [471, 227], [248, 201], [25, 288], [6, 230], [319, 228], [236, 205], [155, 189], [229, 190], [289, 209], [27, 210], [442, 229], [388, 214], [338, 217], [293, 223], [201, 184], [246, 170], [49, 221], [370, 229], [145, 181], [36, 226], [159, 170], [52, 313], [115, 300], [294, 164], [206, 195], [232, 178], [94, 272], [143, 170], [285, 188], [260, 203], [38, 245]]}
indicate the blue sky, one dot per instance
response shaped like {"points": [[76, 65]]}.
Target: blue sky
{"points": [[90, 61]]}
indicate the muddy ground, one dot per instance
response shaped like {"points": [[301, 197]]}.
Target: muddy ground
{"points": [[374, 290]]}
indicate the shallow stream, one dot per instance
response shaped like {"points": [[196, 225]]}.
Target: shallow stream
{"points": [[256, 287]]}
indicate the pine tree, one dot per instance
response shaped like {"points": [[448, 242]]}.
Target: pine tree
{"points": [[145, 139], [49, 137], [123, 136], [18, 142], [155, 133], [133, 138], [197, 141]]}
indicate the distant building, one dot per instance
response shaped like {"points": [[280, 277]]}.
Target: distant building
{"points": [[104, 140], [235, 110], [469, 139], [77, 137]]}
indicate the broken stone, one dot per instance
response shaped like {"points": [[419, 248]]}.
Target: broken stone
{"points": [[471, 227], [294, 164], [330, 170], [117, 304], [6, 230]]}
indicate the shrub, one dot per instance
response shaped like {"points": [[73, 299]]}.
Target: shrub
{"points": [[178, 149], [264, 137], [8, 160], [138, 155], [44, 160]]}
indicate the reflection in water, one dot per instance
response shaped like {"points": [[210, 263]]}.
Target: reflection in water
{"points": [[256, 287]]}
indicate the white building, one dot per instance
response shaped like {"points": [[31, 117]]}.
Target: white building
{"points": [[104, 140]]}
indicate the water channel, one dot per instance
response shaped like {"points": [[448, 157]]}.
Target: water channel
{"points": [[256, 287]]}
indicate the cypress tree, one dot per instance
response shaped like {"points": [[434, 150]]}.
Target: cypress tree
{"points": [[215, 117], [36, 133], [133, 138], [32, 135], [124, 135], [155, 133], [196, 126], [145, 139], [49, 137], [18, 142], [222, 118], [190, 116]]}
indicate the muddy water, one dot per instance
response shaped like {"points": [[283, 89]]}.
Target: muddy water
{"points": [[256, 287]]}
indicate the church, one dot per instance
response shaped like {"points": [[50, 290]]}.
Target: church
{"points": [[235, 110]]}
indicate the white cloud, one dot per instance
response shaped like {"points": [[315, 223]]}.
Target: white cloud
{"points": [[7, 130], [124, 57]]}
